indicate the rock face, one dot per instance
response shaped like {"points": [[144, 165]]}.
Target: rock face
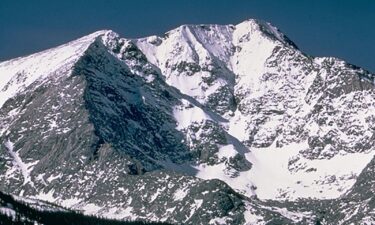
{"points": [[209, 124], [16, 210]]}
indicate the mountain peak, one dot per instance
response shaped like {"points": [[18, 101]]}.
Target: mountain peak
{"points": [[266, 28], [249, 26], [189, 126], [17, 74], [95, 34]]}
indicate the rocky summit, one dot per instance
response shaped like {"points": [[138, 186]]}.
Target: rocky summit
{"points": [[207, 124]]}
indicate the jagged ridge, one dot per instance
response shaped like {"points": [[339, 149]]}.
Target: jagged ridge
{"points": [[213, 101]]}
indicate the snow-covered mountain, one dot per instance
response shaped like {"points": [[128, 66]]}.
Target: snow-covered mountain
{"points": [[22, 211], [208, 124]]}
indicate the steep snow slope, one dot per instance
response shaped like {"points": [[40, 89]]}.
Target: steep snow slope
{"points": [[19, 73], [99, 132], [239, 103], [276, 106]]}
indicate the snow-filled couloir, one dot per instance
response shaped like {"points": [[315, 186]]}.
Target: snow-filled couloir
{"points": [[290, 110], [157, 120]]}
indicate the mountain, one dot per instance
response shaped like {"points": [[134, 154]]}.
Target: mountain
{"points": [[15, 210], [208, 124]]}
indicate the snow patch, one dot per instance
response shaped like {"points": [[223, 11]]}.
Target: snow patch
{"points": [[24, 168], [180, 194], [186, 114], [329, 178], [8, 212], [91, 209], [119, 213], [46, 196], [70, 203], [156, 194], [226, 151], [194, 207]]}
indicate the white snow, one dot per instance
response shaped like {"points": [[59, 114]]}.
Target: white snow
{"points": [[198, 203], [187, 114], [294, 216], [237, 126], [249, 63], [46, 196], [38, 204], [8, 212], [180, 194], [24, 168], [219, 221], [241, 183], [251, 216], [53, 177], [91, 209], [170, 210], [368, 220], [189, 85], [53, 124], [193, 45], [194, 207], [70, 203], [19, 73], [118, 213], [150, 78], [156, 194], [273, 179], [226, 151], [270, 175], [244, 50]]}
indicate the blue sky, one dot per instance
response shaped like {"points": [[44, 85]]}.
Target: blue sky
{"points": [[339, 28]]}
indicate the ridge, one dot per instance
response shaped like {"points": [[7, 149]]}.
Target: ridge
{"points": [[207, 118], [17, 74]]}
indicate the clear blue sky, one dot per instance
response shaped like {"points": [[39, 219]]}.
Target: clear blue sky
{"points": [[340, 28]]}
